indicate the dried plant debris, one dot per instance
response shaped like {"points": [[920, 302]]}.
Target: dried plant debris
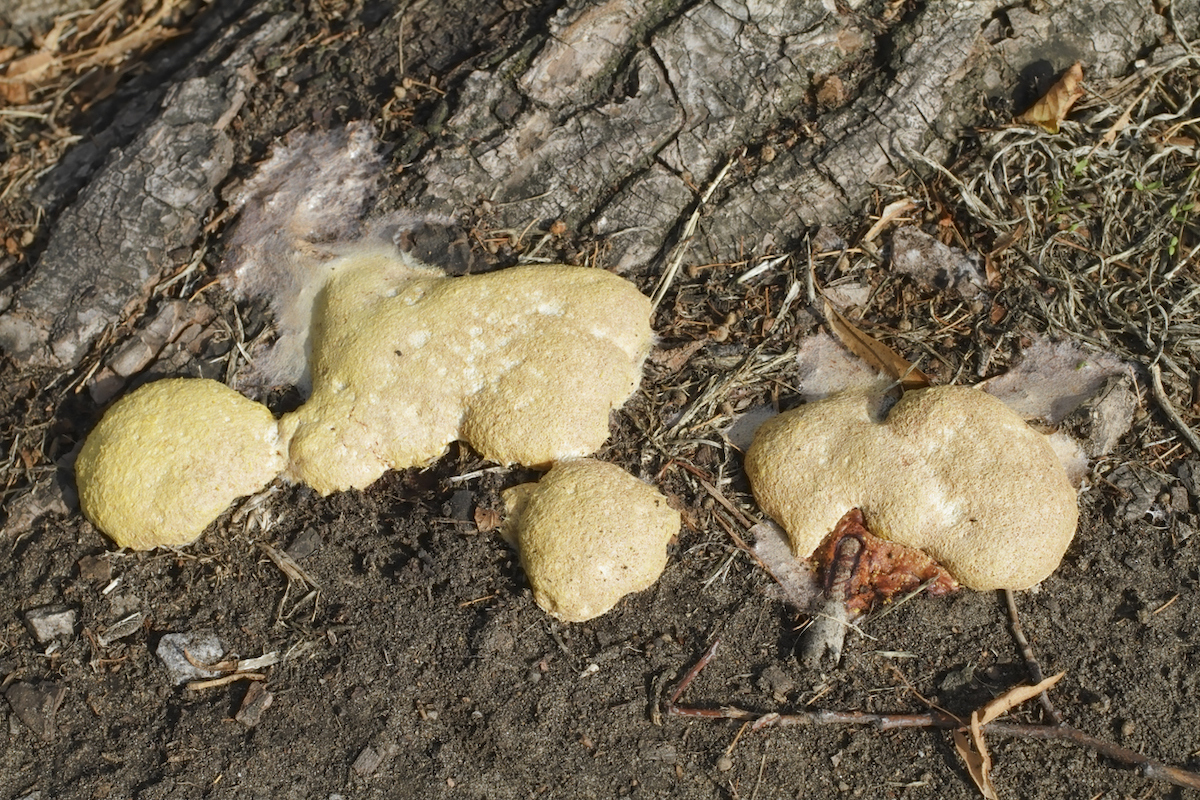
{"points": [[1097, 224], [36, 705], [970, 744], [936, 265], [103, 38], [59, 58], [875, 353], [1052, 108]]}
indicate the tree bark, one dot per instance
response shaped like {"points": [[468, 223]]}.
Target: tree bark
{"points": [[613, 117]]}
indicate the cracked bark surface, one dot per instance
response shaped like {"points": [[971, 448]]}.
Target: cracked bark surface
{"points": [[149, 198], [614, 118], [710, 79]]}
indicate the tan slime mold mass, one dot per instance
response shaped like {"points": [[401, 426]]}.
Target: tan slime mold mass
{"points": [[589, 533], [524, 364], [167, 459], [951, 471]]}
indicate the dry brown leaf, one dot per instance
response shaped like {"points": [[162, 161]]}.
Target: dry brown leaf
{"points": [[1013, 698], [975, 756], [15, 94], [877, 354], [1054, 106], [676, 358], [486, 519], [973, 748]]}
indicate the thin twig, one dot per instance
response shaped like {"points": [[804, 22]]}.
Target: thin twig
{"points": [[1031, 662], [723, 500], [1149, 768], [1154, 770], [692, 673]]}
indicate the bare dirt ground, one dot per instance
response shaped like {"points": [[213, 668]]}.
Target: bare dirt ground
{"points": [[412, 660]]}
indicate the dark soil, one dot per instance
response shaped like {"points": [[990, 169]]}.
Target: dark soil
{"points": [[422, 667]]}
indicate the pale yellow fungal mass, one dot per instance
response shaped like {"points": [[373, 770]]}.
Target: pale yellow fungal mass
{"points": [[950, 470], [167, 459], [524, 364], [589, 533]]}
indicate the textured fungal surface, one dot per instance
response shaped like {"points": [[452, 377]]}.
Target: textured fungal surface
{"points": [[589, 533], [167, 459], [950, 471], [524, 364]]}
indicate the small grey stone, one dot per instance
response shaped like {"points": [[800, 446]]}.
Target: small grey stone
{"points": [[203, 647], [305, 544], [51, 623], [777, 682], [367, 761]]}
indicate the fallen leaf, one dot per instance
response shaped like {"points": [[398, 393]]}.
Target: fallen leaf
{"points": [[979, 765], [1013, 698], [676, 358], [486, 519], [877, 354], [36, 705], [970, 744], [882, 570], [1054, 106]]}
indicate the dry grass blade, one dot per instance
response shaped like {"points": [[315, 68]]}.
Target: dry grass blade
{"points": [[288, 566], [877, 354], [893, 212], [1102, 224]]}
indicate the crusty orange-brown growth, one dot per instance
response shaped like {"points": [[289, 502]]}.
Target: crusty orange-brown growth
{"points": [[950, 470], [524, 364], [589, 533], [167, 459]]}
